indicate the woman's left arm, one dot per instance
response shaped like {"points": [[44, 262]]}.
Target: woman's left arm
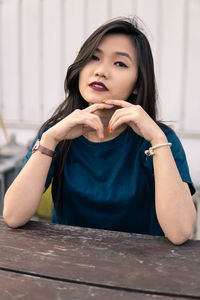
{"points": [[174, 205], [175, 209]]}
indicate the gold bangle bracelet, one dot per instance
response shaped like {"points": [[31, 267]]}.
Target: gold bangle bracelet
{"points": [[150, 151]]}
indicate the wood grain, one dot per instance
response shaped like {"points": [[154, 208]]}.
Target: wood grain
{"points": [[14, 286], [102, 258]]}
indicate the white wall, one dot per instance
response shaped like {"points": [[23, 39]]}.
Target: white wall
{"points": [[40, 38]]}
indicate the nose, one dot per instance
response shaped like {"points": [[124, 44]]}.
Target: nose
{"points": [[101, 71], [100, 74]]}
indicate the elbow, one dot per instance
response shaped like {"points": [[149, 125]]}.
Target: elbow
{"points": [[11, 221], [8, 215], [12, 215], [184, 233], [179, 238], [177, 241]]}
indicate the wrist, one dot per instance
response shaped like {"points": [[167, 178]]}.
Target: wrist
{"points": [[159, 139], [48, 141]]}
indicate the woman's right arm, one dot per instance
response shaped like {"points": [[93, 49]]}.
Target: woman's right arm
{"points": [[23, 196]]}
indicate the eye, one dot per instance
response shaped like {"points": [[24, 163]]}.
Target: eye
{"points": [[120, 64], [94, 57]]}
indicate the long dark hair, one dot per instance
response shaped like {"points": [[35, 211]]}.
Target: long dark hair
{"points": [[145, 85]]}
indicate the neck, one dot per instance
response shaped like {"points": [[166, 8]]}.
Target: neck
{"points": [[105, 116]]}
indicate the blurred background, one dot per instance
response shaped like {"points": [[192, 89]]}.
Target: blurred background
{"points": [[39, 39]]}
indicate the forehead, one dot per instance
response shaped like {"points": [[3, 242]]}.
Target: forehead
{"points": [[117, 43]]}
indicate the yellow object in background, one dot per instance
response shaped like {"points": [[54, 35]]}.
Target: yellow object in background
{"points": [[46, 204]]}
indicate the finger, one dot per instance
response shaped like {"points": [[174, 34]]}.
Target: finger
{"points": [[92, 121], [92, 108], [121, 103], [87, 128], [118, 114], [123, 120]]}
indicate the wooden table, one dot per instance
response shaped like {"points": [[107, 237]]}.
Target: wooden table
{"points": [[46, 261]]}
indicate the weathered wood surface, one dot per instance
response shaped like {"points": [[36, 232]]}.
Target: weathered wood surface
{"points": [[19, 286], [103, 258]]}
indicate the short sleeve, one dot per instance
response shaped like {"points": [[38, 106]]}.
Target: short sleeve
{"points": [[28, 155], [180, 158]]}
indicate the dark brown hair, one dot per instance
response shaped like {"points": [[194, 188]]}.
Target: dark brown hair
{"points": [[146, 89]]}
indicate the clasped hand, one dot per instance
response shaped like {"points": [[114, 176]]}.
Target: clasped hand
{"points": [[80, 122]]}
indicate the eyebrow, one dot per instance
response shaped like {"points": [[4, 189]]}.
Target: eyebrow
{"points": [[118, 53]]}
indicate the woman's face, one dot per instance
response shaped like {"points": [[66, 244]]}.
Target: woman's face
{"points": [[112, 71]]}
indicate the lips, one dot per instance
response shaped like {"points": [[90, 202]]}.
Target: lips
{"points": [[98, 86]]}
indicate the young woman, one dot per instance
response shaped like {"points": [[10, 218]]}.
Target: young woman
{"points": [[113, 165]]}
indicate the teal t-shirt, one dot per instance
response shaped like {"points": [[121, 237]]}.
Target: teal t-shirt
{"points": [[110, 185]]}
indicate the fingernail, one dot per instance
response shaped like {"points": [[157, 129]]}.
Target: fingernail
{"points": [[97, 127], [102, 136], [104, 100], [111, 128], [108, 130]]}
